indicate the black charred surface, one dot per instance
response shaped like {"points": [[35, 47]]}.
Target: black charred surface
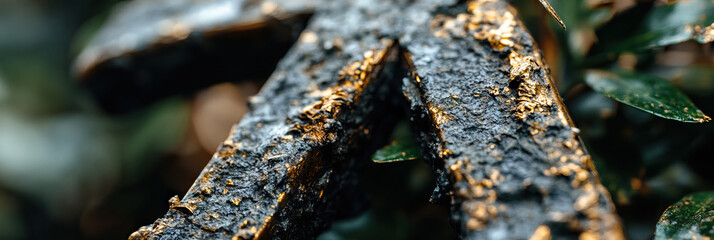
{"points": [[494, 128], [506, 156], [149, 50], [285, 166]]}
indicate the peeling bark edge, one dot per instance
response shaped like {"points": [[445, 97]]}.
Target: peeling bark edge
{"points": [[496, 132]]}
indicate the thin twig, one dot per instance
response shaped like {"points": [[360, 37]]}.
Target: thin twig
{"points": [[552, 12]]}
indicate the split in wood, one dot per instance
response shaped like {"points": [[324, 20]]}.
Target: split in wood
{"points": [[505, 153]]}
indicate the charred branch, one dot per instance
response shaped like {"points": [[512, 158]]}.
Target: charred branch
{"points": [[507, 158], [286, 165], [150, 50], [493, 126]]}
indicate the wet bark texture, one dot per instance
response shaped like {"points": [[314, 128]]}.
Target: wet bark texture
{"points": [[150, 50], [493, 126], [505, 153], [285, 166]]}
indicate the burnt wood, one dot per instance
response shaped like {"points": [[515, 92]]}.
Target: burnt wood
{"points": [[506, 155], [150, 50], [285, 167], [508, 158]]}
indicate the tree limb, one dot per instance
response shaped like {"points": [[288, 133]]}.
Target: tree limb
{"points": [[283, 169], [507, 155], [490, 121]]}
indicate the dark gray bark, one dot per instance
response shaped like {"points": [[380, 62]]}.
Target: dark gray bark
{"points": [[284, 167], [505, 153], [510, 161], [149, 50]]}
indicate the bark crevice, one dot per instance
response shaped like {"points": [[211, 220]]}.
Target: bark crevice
{"points": [[504, 152]]}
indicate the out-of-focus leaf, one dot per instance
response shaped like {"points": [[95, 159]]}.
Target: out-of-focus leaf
{"points": [[666, 25], [618, 179], [674, 181], [690, 218], [35, 85], [402, 148], [674, 23], [696, 80], [398, 206], [88, 30], [3, 89], [581, 21], [11, 224], [154, 132], [578, 15], [385, 224], [650, 94]]}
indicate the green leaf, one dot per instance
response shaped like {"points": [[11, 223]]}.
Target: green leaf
{"points": [[690, 218], [667, 24], [650, 94], [674, 23], [403, 147]]}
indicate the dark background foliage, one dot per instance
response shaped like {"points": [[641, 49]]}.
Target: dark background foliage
{"points": [[70, 171]]}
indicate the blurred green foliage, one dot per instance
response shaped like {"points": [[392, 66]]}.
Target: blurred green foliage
{"points": [[398, 195], [662, 25], [58, 152]]}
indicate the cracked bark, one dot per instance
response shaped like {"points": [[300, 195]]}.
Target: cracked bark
{"points": [[506, 155], [493, 126]]}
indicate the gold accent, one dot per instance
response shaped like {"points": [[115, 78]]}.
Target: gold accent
{"points": [[352, 79], [532, 96], [175, 203], [704, 35], [440, 117], [541, 233]]}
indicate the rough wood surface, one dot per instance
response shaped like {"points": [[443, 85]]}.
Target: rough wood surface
{"points": [[282, 171], [509, 160], [151, 49]]}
